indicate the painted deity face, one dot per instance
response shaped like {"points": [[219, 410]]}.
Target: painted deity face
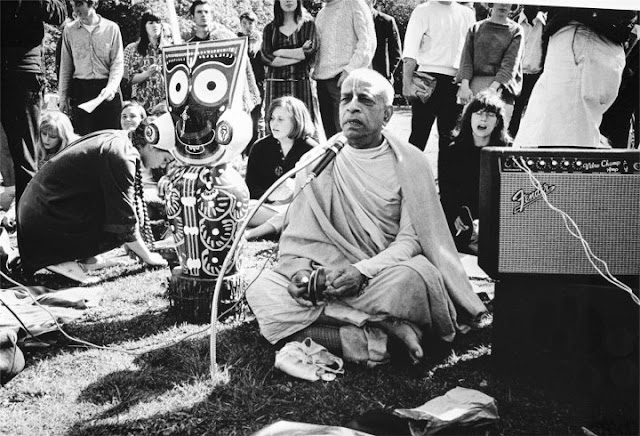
{"points": [[51, 140], [483, 123], [281, 123], [130, 118], [203, 90]]}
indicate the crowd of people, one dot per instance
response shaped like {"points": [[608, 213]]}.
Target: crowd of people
{"points": [[544, 77]]}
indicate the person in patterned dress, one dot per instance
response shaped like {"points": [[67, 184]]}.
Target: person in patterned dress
{"points": [[143, 63], [289, 45]]}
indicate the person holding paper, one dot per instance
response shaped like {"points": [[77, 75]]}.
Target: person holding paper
{"points": [[91, 68]]}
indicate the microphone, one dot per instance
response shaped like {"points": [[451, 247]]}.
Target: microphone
{"points": [[329, 155]]}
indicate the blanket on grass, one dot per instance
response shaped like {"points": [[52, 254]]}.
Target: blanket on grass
{"points": [[66, 305]]}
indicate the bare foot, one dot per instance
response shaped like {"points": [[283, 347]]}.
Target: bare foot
{"points": [[407, 333]]}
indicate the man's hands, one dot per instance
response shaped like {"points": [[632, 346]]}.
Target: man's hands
{"points": [[340, 283], [298, 287], [344, 282], [107, 94]]}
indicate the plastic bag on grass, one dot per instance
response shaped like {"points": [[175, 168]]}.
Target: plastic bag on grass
{"points": [[308, 360], [460, 407]]}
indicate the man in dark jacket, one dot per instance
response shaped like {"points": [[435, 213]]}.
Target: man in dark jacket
{"points": [[388, 51], [22, 77]]}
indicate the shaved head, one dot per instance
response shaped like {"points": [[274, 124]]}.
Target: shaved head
{"points": [[380, 86]]}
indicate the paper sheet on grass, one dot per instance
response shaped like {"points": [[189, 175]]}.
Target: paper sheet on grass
{"points": [[459, 408], [91, 105]]}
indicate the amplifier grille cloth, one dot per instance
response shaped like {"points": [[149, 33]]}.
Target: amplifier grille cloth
{"points": [[605, 207]]}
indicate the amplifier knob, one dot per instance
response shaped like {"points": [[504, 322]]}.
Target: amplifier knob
{"points": [[530, 162], [579, 163], [541, 164], [566, 163], [554, 163]]}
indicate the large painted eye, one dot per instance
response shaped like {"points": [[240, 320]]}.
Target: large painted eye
{"points": [[178, 88], [210, 86]]}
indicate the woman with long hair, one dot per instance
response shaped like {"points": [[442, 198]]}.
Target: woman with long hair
{"points": [[483, 123], [271, 157], [143, 62], [288, 48], [56, 132]]}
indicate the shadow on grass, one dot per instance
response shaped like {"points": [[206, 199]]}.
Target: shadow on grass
{"points": [[257, 395]]}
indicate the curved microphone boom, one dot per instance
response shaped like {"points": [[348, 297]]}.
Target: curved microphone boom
{"points": [[330, 154]]}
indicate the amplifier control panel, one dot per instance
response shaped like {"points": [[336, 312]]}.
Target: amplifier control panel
{"points": [[567, 164]]}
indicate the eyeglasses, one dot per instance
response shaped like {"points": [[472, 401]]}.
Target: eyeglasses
{"points": [[486, 113]]}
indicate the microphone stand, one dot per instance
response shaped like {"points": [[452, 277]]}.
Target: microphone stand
{"points": [[216, 293]]}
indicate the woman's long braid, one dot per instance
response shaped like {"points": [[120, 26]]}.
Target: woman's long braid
{"points": [[141, 209]]}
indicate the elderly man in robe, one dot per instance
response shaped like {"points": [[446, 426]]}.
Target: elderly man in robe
{"points": [[372, 220]]}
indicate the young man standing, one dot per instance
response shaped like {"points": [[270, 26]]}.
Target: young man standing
{"points": [[91, 65], [347, 41], [207, 30], [433, 44], [248, 28]]}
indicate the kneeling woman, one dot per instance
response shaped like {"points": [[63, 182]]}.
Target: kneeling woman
{"points": [[291, 129], [85, 201], [482, 124]]}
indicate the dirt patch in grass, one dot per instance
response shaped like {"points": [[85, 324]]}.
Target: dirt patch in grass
{"points": [[68, 390]]}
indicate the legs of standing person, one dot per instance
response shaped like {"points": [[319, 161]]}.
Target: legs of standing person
{"points": [[528, 81], [329, 100], [447, 110], [21, 100], [105, 116], [442, 105]]}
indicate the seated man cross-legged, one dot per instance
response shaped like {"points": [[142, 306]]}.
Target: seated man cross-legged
{"points": [[373, 222]]}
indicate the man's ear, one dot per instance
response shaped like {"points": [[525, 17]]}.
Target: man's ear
{"points": [[388, 112]]}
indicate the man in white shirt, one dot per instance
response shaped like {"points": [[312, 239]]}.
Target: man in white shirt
{"points": [[347, 41], [433, 44]]}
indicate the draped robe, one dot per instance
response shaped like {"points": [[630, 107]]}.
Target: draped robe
{"points": [[414, 269]]}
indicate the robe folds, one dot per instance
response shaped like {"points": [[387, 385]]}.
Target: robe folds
{"points": [[326, 227]]}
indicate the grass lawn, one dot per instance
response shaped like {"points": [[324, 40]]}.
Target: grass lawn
{"points": [[167, 390], [67, 390]]}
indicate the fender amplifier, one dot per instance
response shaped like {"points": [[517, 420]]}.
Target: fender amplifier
{"points": [[521, 234]]}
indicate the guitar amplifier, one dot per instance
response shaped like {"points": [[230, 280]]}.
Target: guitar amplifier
{"points": [[521, 234]]}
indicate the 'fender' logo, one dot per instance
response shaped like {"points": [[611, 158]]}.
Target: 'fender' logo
{"points": [[525, 199]]}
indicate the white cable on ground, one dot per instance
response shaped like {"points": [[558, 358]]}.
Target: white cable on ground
{"points": [[225, 264], [24, 289]]}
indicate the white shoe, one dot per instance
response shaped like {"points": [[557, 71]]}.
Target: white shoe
{"points": [[73, 271]]}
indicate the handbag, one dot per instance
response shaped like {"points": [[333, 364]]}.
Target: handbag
{"points": [[421, 79]]}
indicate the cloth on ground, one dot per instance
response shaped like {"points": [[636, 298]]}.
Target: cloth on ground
{"points": [[66, 305]]}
